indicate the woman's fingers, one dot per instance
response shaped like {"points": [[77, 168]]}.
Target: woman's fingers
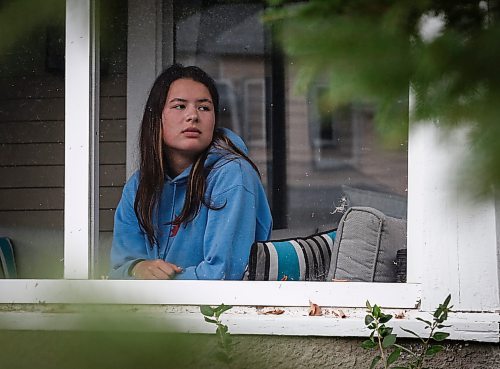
{"points": [[155, 269]]}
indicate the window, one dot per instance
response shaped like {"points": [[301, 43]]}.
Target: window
{"points": [[255, 112], [452, 243]]}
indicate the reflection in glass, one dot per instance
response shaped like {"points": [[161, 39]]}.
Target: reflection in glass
{"points": [[227, 40], [331, 154], [32, 136], [337, 157], [112, 124]]}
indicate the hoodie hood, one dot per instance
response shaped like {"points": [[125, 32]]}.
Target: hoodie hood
{"points": [[235, 139], [214, 154]]}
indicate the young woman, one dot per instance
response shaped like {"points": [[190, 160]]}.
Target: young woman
{"points": [[196, 204]]}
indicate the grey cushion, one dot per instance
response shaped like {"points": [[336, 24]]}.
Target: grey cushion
{"points": [[366, 246]]}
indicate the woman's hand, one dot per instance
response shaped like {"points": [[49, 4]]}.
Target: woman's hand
{"points": [[155, 269]]}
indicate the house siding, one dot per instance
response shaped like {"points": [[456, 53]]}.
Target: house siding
{"points": [[32, 149]]}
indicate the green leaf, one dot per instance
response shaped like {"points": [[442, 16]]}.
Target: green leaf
{"points": [[368, 344], [447, 301], [372, 326], [369, 319], [411, 332], [376, 311], [425, 321], [385, 331], [221, 309], [368, 306], [438, 311], [221, 329], [440, 336], [389, 340], [385, 318], [393, 356], [206, 310], [433, 350], [375, 361], [443, 326], [208, 320]]}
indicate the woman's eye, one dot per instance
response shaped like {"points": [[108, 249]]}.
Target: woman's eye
{"points": [[178, 107], [204, 108]]}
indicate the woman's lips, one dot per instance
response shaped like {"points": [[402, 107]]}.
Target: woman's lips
{"points": [[191, 132]]}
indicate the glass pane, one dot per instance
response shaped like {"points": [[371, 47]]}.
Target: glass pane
{"points": [[336, 158], [227, 41], [112, 121], [333, 157], [32, 135]]}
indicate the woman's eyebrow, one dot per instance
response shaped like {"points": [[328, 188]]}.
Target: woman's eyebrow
{"points": [[179, 99]]}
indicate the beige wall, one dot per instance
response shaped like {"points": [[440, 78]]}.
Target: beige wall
{"points": [[55, 349]]}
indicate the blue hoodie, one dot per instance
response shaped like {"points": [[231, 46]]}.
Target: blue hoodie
{"points": [[216, 243]]}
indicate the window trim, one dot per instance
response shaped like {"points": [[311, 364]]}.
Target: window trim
{"points": [[164, 306], [81, 204], [241, 293]]}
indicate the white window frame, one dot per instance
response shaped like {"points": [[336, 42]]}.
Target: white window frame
{"points": [[452, 246]]}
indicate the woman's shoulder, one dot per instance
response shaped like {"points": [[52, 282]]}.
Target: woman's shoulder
{"points": [[132, 183], [232, 164], [230, 172]]}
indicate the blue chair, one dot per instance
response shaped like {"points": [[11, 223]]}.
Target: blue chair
{"points": [[7, 261]]}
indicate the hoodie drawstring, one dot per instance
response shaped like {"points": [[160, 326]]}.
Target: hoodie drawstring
{"points": [[172, 218]]}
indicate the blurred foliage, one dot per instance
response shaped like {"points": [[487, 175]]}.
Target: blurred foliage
{"points": [[370, 50], [21, 17], [103, 337], [102, 350]]}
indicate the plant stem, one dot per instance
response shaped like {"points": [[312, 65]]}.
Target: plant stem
{"points": [[382, 354], [421, 357], [405, 349]]}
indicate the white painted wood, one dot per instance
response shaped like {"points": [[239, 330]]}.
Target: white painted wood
{"points": [[94, 122], [294, 322], [78, 138], [497, 216], [452, 241], [342, 294]]}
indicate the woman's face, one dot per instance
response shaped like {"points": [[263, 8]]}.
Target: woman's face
{"points": [[188, 120]]}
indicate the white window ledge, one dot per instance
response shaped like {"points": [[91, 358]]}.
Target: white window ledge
{"points": [[242, 293], [335, 322], [173, 306]]}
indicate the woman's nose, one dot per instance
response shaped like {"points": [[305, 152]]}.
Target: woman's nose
{"points": [[192, 114]]}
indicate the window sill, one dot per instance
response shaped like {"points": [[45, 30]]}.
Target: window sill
{"points": [[335, 322], [241, 293]]}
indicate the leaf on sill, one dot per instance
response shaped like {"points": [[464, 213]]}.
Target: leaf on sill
{"points": [[339, 314], [340, 280], [400, 315], [285, 278], [314, 309], [272, 312]]}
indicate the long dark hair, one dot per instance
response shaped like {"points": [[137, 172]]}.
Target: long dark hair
{"points": [[153, 163]]}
